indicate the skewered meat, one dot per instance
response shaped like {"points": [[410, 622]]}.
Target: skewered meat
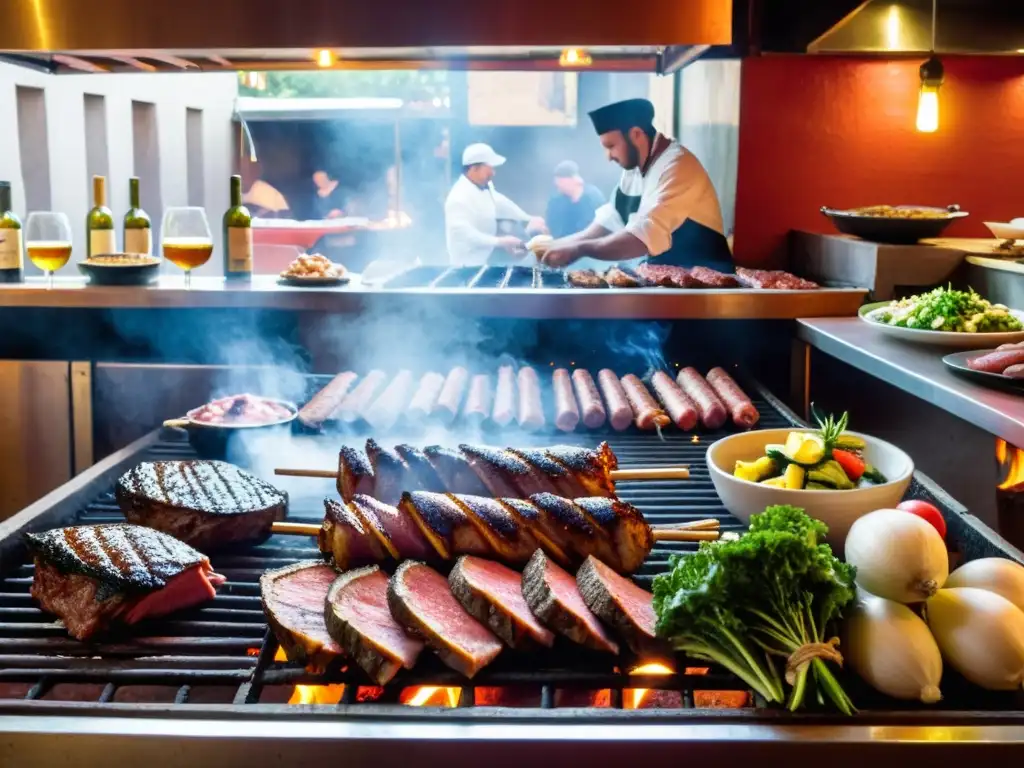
{"points": [[546, 531], [646, 411], [91, 576], [454, 470], [567, 413], [510, 542], [358, 617], [356, 402], [206, 504], [620, 604], [773, 280], [575, 529], [555, 599], [396, 534], [712, 278], [504, 473], [531, 410], [344, 536], [667, 276], [425, 399], [450, 399], [479, 400], [585, 278], [384, 412], [444, 525], [592, 468], [422, 473], [711, 409], [680, 408], [421, 601], [740, 407], [505, 397], [556, 477], [355, 474], [321, 407], [589, 399], [493, 594], [624, 524], [391, 475], [620, 414], [293, 600]]}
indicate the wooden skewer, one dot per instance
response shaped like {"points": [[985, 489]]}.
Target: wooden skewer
{"points": [[648, 473]]}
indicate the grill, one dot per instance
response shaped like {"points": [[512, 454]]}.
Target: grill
{"points": [[486, 277]]}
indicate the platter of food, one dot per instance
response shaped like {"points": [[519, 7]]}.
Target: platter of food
{"points": [[899, 224], [313, 269], [946, 318], [211, 427], [120, 269], [1002, 367]]}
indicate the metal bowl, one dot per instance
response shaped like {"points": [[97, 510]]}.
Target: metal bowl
{"points": [[128, 273], [216, 441], [884, 229]]}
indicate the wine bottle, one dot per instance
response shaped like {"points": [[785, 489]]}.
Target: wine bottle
{"points": [[138, 232], [11, 250], [237, 236], [99, 224]]}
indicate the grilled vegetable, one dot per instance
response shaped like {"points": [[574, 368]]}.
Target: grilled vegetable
{"points": [[804, 448], [794, 477], [852, 464], [830, 473], [775, 482], [757, 470]]}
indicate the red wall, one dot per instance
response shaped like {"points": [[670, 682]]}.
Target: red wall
{"points": [[818, 130]]}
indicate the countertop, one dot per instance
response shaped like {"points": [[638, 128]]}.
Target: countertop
{"points": [[919, 370]]}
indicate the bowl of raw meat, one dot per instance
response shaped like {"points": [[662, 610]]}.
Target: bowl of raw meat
{"points": [[214, 426]]}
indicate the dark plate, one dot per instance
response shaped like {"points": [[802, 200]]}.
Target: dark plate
{"points": [[308, 282], [880, 229], [129, 274], [958, 363]]}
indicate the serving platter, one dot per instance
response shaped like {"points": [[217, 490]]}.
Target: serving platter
{"points": [[957, 362], [303, 282], [948, 339]]}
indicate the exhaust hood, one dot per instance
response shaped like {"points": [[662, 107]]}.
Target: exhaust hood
{"points": [[74, 36]]}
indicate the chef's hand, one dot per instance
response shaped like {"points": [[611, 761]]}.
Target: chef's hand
{"points": [[560, 255], [511, 244]]}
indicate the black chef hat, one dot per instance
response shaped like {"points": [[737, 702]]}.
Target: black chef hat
{"points": [[623, 115]]}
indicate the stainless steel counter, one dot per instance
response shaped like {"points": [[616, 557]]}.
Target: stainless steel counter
{"points": [[919, 370]]}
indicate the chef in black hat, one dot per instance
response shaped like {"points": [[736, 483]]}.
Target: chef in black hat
{"points": [[665, 207]]}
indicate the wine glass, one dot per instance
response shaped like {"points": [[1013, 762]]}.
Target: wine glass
{"points": [[48, 241], [186, 240]]}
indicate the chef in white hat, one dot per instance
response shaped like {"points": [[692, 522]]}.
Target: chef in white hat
{"points": [[473, 209]]}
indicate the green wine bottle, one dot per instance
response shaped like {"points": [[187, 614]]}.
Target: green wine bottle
{"points": [[138, 230], [99, 224], [237, 236], [12, 258]]}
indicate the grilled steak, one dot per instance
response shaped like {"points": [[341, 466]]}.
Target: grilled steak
{"points": [[493, 595], [630, 534], [712, 278], [773, 280], [585, 278], [621, 604], [667, 275], [346, 539], [206, 504], [93, 575], [359, 619], [555, 599], [355, 474], [422, 602], [293, 600]]}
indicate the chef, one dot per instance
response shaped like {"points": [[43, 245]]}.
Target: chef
{"points": [[473, 209], [665, 207]]}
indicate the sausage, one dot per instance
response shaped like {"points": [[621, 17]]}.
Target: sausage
{"points": [[324, 403], [359, 399], [646, 411], [450, 399], [620, 415], [1018, 345], [392, 402], [478, 402], [588, 398], [1014, 371], [711, 409], [567, 413], [531, 410], [505, 397], [680, 408], [425, 399], [744, 414], [996, 362]]}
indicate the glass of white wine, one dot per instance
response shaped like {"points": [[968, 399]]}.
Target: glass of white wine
{"points": [[186, 240], [48, 241]]}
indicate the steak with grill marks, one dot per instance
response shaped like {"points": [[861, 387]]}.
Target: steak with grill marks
{"points": [[91, 576], [206, 504], [293, 599]]}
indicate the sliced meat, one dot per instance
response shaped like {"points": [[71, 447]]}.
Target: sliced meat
{"points": [[357, 401], [585, 278], [443, 523], [346, 540], [510, 542], [621, 604], [617, 277], [567, 413], [92, 576], [531, 410], [504, 473], [425, 398], [398, 536], [555, 599], [455, 472], [620, 414], [360, 621], [647, 414], [680, 408], [392, 475], [591, 468], [383, 414], [505, 397], [711, 409], [557, 477], [588, 398], [773, 280], [996, 362], [479, 401], [321, 407], [631, 537], [566, 524], [712, 278], [544, 529], [667, 276], [421, 601], [206, 504], [423, 474], [450, 400], [493, 594], [293, 601], [355, 473], [740, 407]]}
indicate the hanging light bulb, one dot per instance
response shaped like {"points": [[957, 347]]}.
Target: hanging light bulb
{"points": [[575, 57], [325, 58], [928, 99]]}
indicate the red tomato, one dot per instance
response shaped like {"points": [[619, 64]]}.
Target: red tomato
{"points": [[926, 512]]}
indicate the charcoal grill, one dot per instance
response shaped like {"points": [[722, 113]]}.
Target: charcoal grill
{"points": [[211, 671]]}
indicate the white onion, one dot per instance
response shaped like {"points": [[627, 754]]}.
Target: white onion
{"points": [[898, 555], [994, 574], [981, 635], [890, 646]]}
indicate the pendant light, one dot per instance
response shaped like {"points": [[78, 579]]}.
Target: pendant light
{"points": [[932, 75]]}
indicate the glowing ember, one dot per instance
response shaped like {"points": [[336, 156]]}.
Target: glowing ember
{"points": [[252, 651], [633, 697], [317, 694], [430, 696], [1012, 458]]}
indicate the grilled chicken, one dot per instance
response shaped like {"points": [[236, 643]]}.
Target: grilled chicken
{"points": [[293, 600]]}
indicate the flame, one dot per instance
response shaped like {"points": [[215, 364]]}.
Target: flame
{"points": [[1014, 463], [280, 655], [252, 651], [634, 697], [325, 58], [575, 57], [317, 694], [433, 696]]}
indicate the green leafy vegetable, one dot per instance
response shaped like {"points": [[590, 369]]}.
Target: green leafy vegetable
{"points": [[947, 310]]}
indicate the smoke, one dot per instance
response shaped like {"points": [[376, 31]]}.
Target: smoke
{"points": [[640, 346]]}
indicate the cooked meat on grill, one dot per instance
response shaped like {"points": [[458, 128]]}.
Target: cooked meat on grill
{"points": [[667, 276], [509, 541], [773, 280], [620, 604], [505, 473], [421, 601], [567, 523], [397, 533], [493, 594], [391, 474], [454, 470], [359, 620], [592, 468], [206, 504], [422, 471], [346, 539], [355, 473], [712, 278], [444, 525], [546, 531], [555, 599], [92, 576], [557, 478], [293, 600], [321, 407], [624, 524], [618, 277], [585, 278]]}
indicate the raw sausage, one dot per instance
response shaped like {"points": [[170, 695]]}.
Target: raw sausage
{"points": [[478, 402], [711, 409], [425, 399], [646, 411], [392, 402], [680, 408], [996, 362], [744, 414], [324, 403], [567, 413], [620, 415], [588, 398], [505, 397], [531, 411], [358, 400], [1014, 371], [450, 399]]}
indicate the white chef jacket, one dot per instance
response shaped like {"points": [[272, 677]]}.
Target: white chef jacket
{"points": [[265, 196], [471, 219]]}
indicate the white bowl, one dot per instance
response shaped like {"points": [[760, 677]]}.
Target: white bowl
{"points": [[837, 509], [1002, 231]]}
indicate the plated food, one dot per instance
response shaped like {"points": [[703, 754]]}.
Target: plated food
{"points": [[893, 223], [120, 269], [314, 268], [900, 212], [121, 260], [243, 410], [946, 317], [1001, 368]]}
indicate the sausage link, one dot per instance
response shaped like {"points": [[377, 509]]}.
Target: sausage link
{"points": [[712, 410], [505, 397], [744, 414], [588, 398], [567, 413], [680, 408], [996, 362], [478, 402], [425, 400], [450, 399], [1014, 371], [646, 411], [531, 410], [324, 403], [392, 402], [620, 414], [356, 402]]}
